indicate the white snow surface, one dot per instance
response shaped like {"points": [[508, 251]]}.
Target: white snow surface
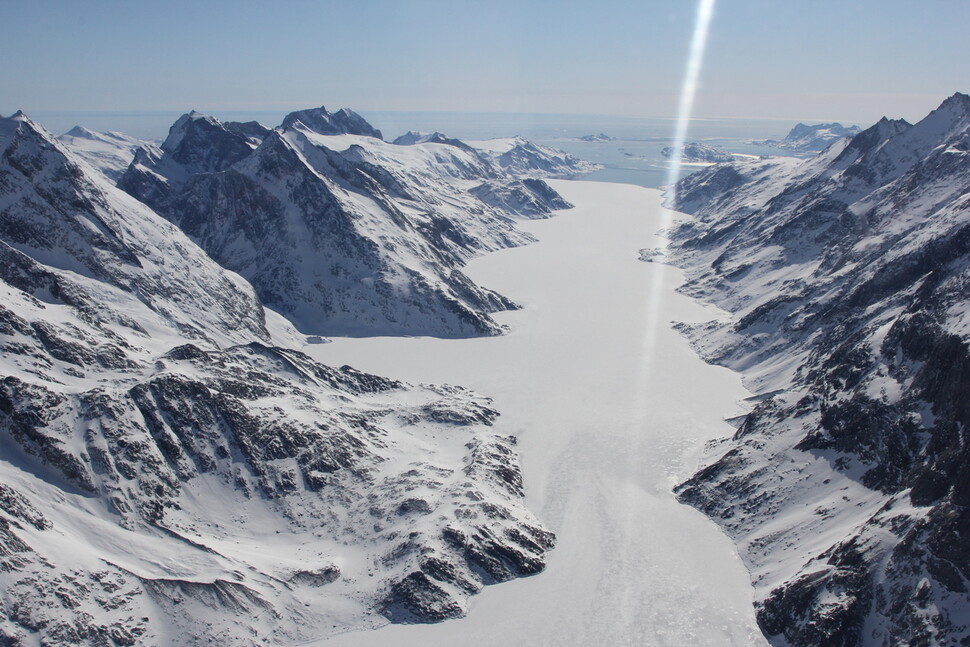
{"points": [[611, 409], [762, 246], [496, 146], [111, 287], [109, 152], [524, 158]]}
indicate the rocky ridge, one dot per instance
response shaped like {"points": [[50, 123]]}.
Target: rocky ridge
{"points": [[174, 471], [846, 278], [525, 159], [395, 223]]}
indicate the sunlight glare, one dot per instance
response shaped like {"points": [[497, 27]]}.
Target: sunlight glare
{"points": [[705, 11]]}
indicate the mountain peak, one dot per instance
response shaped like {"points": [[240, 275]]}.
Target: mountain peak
{"points": [[877, 135], [955, 108], [324, 122], [82, 132], [202, 143], [949, 122], [16, 123], [957, 99]]}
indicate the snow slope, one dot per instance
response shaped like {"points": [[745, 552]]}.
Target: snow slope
{"points": [[846, 276], [172, 474], [523, 158], [109, 152], [813, 138], [611, 410], [342, 232]]}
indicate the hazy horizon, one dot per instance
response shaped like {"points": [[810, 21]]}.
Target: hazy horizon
{"points": [[155, 124], [829, 61]]}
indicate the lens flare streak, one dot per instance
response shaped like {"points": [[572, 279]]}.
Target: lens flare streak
{"points": [[655, 289]]}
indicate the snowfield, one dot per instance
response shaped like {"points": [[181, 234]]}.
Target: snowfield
{"points": [[611, 409]]}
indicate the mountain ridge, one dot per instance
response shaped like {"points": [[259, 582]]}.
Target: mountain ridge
{"points": [[174, 471], [448, 203], [804, 138], [845, 277]]}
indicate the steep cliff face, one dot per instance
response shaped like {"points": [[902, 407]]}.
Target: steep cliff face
{"points": [[70, 238], [847, 278], [172, 473], [340, 231]]}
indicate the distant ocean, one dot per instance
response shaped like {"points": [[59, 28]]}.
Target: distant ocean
{"points": [[633, 157]]}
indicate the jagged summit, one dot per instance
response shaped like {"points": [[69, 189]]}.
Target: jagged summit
{"points": [[324, 122], [18, 127], [203, 144], [950, 118], [412, 137], [177, 130], [18, 117], [106, 236], [801, 130], [874, 137], [958, 99], [10, 125], [253, 131]]}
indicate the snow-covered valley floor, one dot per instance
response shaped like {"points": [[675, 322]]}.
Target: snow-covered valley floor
{"points": [[611, 409]]}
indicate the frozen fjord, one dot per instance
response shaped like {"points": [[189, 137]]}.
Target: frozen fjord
{"points": [[611, 409]]}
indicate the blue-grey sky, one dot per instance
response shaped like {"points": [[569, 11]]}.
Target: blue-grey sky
{"points": [[807, 59]]}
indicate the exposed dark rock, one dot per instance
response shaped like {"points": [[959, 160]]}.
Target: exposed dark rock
{"points": [[847, 275], [324, 122]]}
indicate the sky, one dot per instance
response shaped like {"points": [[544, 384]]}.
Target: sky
{"points": [[808, 60]]}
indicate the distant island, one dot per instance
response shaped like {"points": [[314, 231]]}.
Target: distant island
{"points": [[695, 152], [811, 138], [597, 138]]}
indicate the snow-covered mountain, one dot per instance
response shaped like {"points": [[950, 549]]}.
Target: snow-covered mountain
{"points": [[804, 138], [847, 278], [697, 153], [173, 471], [338, 230], [413, 137], [522, 158], [111, 152], [322, 121]]}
